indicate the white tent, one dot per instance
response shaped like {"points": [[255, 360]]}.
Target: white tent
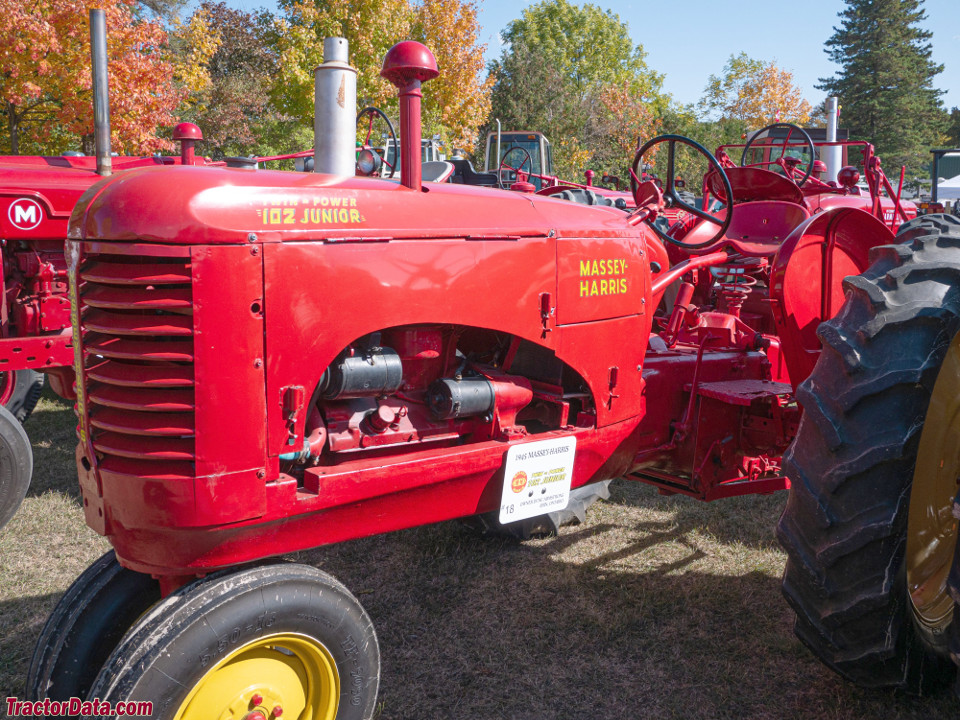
{"points": [[949, 189]]}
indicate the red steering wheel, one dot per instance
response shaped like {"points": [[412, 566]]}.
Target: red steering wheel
{"points": [[365, 120], [788, 163], [504, 165]]}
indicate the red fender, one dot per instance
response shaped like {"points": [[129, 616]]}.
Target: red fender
{"points": [[806, 282]]}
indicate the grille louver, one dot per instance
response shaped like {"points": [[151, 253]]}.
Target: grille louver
{"points": [[136, 318]]}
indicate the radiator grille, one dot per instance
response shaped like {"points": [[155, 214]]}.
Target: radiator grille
{"points": [[136, 319]]}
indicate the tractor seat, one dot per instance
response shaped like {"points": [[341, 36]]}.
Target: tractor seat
{"points": [[464, 174], [756, 230], [436, 171], [752, 183]]}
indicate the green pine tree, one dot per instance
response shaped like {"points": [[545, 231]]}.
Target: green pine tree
{"points": [[885, 82]]}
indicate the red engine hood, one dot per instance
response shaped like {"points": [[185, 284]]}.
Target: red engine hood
{"points": [[226, 205]]}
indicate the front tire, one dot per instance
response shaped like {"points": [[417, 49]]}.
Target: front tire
{"points": [[277, 636], [867, 525], [85, 626]]}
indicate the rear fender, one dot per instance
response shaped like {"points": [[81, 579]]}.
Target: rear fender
{"points": [[807, 275]]}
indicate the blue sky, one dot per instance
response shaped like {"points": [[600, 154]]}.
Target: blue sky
{"points": [[691, 40]]}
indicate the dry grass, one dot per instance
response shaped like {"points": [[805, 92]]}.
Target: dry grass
{"points": [[655, 608]]}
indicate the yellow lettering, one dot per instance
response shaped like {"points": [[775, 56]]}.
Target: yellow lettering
{"points": [[623, 285], [584, 267], [593, 269], [344, 215], [584, 288], [353, 202], [335, 201], [274, 216], [603, 287], [288, 216], [315, 216], [354, 216], [593, 289], [325, 216]]}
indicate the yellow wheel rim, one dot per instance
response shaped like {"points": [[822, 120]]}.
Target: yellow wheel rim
{"points": [[286, 676], [932, 529]]}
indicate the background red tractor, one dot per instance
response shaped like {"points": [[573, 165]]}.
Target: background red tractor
{"points": [[270, 361]]}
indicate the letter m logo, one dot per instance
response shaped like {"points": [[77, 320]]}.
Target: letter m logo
{"points": [[25, 214]]}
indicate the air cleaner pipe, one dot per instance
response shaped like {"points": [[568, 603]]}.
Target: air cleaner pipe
{"points": [[335, 111], [101, 92], [407, 65]]}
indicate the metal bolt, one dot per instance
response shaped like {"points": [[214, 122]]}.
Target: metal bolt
{"points": [[277, 711], [254, 251], [258, 363], [256, 699], [261, 474], [252, 237]]}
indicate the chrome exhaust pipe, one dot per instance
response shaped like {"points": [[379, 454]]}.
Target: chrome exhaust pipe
{"points": [[335, 111], [101, 92]]}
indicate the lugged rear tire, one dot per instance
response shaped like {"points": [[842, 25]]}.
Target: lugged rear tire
{"points": [[845, 526]]}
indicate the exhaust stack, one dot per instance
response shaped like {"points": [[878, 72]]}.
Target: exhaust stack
{"points": [[335, 111], [833, 153], [101, 92], [407, 65]]}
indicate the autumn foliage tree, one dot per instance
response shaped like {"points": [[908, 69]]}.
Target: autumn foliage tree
{"points": [[230, 91], [454, 104], [457, 102], [45, 78], [756, 93], [573, 73]]}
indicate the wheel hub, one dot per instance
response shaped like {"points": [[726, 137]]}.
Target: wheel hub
{"points": [[932, 529], [262, 680]]}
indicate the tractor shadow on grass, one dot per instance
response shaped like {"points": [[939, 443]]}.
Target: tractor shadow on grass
{"points": [[21, 620], [605, 621], [749, 520]]}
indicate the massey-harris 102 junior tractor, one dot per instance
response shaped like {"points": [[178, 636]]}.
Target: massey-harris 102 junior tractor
{"points": [[269, 361]]}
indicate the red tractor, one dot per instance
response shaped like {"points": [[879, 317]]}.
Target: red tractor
{"points": [[269, 361]]}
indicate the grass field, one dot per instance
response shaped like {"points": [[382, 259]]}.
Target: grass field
{"points": [[655, 608]]}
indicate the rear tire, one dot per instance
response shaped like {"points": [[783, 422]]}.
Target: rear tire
{"points": [[85, 626], [16, 465], [25, 388], [847, 522], [287, 633]]}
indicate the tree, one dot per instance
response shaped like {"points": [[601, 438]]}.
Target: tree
{"points": [[953, 129], [885, 81], [454, 104], [45, 78], [573, 73], [370, 26], [458, 101], [588, 46], [229, 96], [756, 93]]}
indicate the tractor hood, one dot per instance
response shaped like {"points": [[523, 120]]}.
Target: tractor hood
{"points": [[203, 205]]}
